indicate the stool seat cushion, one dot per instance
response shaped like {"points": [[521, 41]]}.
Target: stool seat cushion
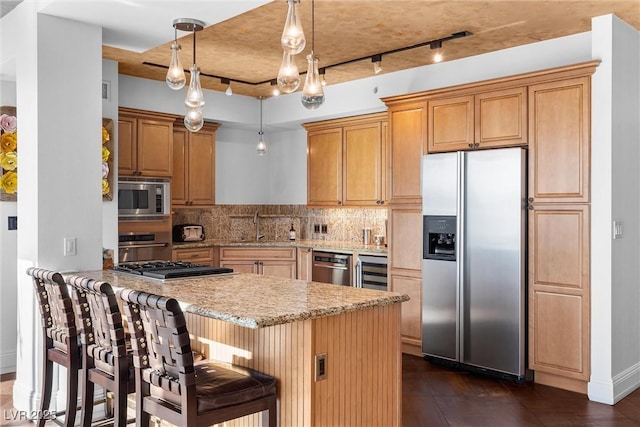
{"points": [[220, 384]]}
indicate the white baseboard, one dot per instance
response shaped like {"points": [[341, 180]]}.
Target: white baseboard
{"points": [[612, 391], [7, 362]]}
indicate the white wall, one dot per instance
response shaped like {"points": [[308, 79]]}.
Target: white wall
{"points": [[9, 242], [59, 195], [615, 271]]}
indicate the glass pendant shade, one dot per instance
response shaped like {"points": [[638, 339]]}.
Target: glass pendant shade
{"points": [[195, 97], [288, 76], [292, 39], [312, 94], [261, 148], [194, 119], [175, 75]]}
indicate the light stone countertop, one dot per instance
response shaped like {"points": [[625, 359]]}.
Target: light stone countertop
{"points": [[251, 300], [329, 245]]}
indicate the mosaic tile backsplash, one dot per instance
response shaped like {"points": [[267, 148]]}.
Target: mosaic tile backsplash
{"points": [[236, 222]]}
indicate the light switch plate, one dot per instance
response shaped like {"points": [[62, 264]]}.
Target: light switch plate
{"points": [[617, 229], [70, 246]]}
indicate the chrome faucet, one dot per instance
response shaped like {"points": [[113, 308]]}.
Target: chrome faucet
{"points": [[256, 221]]}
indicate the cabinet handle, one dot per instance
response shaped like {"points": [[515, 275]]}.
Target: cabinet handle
{"points": [[470, 145], [339, 202], [530, 199], [477, 144], [530, 207]]}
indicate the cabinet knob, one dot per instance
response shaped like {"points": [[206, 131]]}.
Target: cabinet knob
{"points": [[470, 145], [339, 202], [530, 207], [530, 199]]}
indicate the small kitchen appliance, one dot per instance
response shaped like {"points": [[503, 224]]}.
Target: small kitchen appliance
{"points": [[143, 198], [188, 233]]}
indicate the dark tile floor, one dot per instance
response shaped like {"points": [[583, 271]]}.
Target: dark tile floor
{"points": [[435, 396]]}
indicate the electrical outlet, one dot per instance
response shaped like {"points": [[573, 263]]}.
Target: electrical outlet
{"points": [[324, 229], [617, 229], [316, 228], [13, 223], [321, 366], [70, 246]]}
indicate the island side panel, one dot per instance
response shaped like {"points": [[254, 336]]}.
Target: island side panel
{"points": [[364, 368], [284, 351]]}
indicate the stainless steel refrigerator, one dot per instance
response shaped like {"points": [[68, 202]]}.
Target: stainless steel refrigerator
{"points": [[473, 267]]}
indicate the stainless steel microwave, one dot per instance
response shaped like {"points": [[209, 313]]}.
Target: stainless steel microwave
{"points": [[143, 198]]}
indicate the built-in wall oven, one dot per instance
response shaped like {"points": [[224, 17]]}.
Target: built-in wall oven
{"points": [[371, 272], [144, 246]]}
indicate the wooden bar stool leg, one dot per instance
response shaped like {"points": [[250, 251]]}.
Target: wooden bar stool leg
{"points": [[72, 395], [47, 384], [87, 396]]}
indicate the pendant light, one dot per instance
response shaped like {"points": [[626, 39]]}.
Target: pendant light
{"points": [[193, 119], [288, 75], [312, 93], [175, 75], [292, 39], [261, 148]]}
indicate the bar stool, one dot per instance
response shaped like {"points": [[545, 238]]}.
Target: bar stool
{"points": [[60, 339], [105, 357], [170, 386]]}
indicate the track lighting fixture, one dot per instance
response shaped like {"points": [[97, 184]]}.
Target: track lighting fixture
{"points": [[377, 63], [437, 46], [227, 82]]}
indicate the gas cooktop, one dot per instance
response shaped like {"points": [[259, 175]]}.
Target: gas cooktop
{"points": [[169, 269]]}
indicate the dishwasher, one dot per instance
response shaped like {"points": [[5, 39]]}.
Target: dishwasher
{"points": [[331, 267]]}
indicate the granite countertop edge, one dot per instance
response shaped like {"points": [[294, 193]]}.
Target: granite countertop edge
{"points": [[315, 244]]}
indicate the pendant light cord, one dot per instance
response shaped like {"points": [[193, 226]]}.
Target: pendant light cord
{"points": [[313, 26], [261, 133], [194, 45]]}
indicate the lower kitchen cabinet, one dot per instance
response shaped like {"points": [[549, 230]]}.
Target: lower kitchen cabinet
{"points": [[411, 317], [279, 262], [204, 256], [305, 263]]}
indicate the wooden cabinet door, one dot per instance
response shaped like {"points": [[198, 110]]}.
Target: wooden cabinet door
{"points": [[384, 180], [286, 269], [451, 124], [179, 182], [155, 149], [405, 234], [411, 317], [304, 263], [127, 154], [362, 165], [559, 290], [407, 130], [501, 118], [201, 176], [559, 141], [324, 167]]}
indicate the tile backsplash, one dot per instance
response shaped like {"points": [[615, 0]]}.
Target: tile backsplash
{"points": [[236, 222]]}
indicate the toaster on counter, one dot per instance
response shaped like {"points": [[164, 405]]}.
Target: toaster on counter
{"points": [[188, 233]]}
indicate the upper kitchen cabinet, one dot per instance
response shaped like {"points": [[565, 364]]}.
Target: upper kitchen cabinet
{"points": [[346, 161], [559, 147], [145, 143], [407, 131], [194, 156], [483, 120]]}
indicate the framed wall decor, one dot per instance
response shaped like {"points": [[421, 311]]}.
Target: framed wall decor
{"points": [[8, 154], [107, 159]]}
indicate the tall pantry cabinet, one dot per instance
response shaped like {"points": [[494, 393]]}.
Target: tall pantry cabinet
{"points": [[547, 111]]}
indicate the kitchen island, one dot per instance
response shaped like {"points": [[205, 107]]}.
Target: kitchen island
{"points": [[282, 327]]}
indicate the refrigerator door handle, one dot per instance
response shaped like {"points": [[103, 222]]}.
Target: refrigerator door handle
{"points": [[460, 244]]}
